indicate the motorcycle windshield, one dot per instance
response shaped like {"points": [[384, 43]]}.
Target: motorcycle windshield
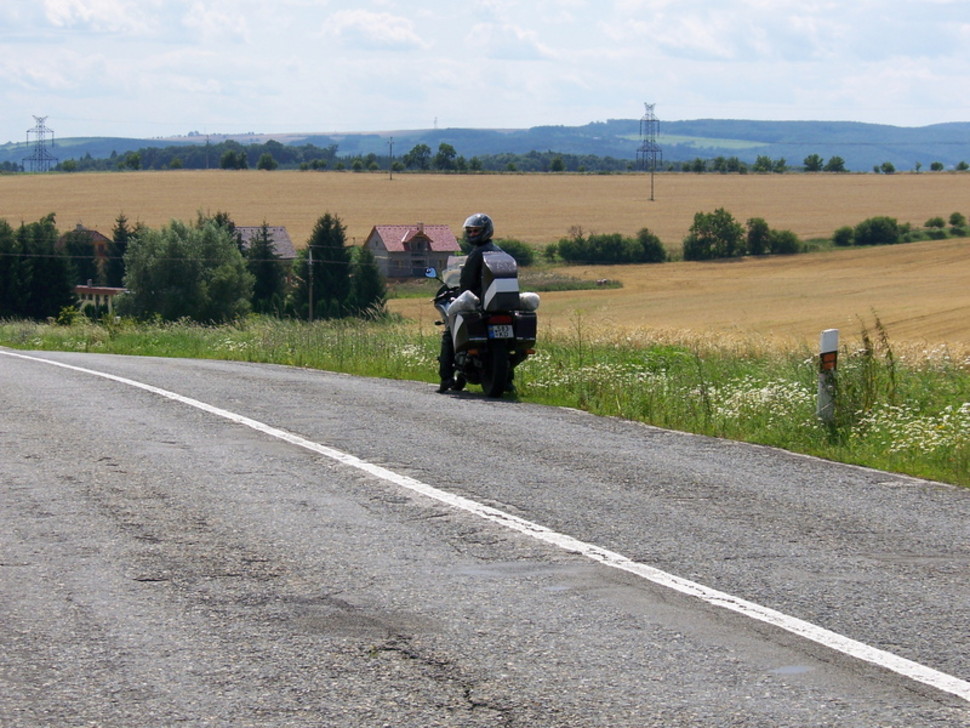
{"points": [[452, 274]]}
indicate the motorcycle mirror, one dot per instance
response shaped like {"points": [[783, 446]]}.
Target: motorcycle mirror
{"points": [[430, 273]]}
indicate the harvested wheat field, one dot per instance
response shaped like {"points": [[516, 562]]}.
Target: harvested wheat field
{"points": [[919, 291], [537, 208]]}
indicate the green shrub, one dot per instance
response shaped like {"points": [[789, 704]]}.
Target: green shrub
{"points": [[844, 236], [612, 248], [652, 250], [880, 230], [523, 253], [759, 236], [784, 242]]}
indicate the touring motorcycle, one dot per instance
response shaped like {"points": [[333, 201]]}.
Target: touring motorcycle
{"points": [[494, 334]]}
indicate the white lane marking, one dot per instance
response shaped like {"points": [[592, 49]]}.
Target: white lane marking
{"points": [[840, 643]]}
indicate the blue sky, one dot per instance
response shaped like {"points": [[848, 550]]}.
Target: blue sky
{"points": [[155, 68]]}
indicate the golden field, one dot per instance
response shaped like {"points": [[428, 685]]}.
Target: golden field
{"points": [[920, 291]]}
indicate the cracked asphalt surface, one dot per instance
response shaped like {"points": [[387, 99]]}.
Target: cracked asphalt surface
{"points": [[161, 566]]}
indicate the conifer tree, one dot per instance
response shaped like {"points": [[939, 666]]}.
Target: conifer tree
{"points": [[13, 273], [368, 292], [323, 272], [47, 271], [115, 269], [269, 272]]}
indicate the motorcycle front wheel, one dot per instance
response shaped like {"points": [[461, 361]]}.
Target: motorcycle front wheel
{"points": [[496, 374]]}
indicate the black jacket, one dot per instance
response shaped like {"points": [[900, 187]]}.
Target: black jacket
{"points": [[471, 271]]}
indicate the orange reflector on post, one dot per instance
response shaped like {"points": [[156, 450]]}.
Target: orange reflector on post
{"points": [[829, 350]]}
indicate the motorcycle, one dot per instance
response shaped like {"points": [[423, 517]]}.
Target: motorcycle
{"points": [[493, 335]]}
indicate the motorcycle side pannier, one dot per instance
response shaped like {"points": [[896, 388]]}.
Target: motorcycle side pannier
{"points": [[525, 329], [500, 281], [470, 330]]}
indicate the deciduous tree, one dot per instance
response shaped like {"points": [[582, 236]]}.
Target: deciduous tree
{"points": [[835, 164], [445, 159], [187, 272], [814, 163], [714, 235], [419, 157]]}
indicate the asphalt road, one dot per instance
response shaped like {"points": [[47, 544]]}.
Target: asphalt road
{"points": [[222, 560]]}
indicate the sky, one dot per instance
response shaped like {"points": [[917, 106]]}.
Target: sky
{"points": [[161, 68]]}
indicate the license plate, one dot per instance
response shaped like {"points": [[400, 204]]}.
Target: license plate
{"points": [[500, 331]]}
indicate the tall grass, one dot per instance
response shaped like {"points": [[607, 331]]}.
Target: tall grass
{"points": [[903, 411]]}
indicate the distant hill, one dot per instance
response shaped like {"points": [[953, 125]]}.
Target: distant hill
{"points": [[861, 146]]}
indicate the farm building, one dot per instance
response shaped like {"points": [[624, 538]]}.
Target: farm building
{"points": [[405, 251], [97, 297], [99, 243], [282, 243]]}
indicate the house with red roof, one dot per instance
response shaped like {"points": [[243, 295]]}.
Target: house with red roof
{"points": [[406, 251], [83, 236]]}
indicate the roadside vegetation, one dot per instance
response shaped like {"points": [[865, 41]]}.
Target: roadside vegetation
{"points": [[900, 411]]}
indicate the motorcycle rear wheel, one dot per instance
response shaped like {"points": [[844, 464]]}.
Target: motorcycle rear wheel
{"points": [[496, 374]]}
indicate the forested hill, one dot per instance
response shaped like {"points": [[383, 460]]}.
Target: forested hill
{"points": [[861, 146]]}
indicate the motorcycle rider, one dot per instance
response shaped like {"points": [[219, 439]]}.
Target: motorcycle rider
{"points": [[478, 232]]}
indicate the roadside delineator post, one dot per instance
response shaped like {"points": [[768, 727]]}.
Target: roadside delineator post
{"points": [[827, 366]]}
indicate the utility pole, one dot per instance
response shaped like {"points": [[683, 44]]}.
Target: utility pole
{"points": [[310, 280], [390, 158]]}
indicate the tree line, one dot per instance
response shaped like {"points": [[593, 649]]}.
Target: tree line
{"points": [[201, 271], [271, 155], [718, 235], [715, 235]]}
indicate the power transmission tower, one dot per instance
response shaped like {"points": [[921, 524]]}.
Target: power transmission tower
{"points": [[648, 153], [40, 160]]}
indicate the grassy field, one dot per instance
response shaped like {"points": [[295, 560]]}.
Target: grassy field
{"points": [[919, 291]]}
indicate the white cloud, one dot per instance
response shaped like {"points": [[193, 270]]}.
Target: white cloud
{"points": [[371, 30], [100, 16], [216, 24], [507, 42]]}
